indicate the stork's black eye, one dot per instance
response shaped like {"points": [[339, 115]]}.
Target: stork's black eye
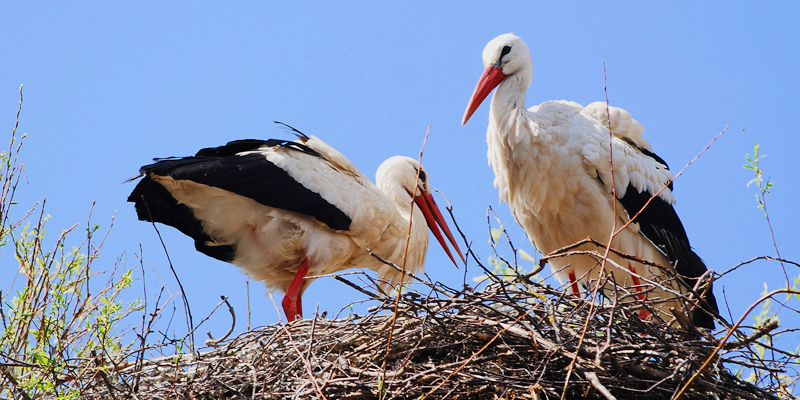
{"points": [[422, 177], [506, 50]]}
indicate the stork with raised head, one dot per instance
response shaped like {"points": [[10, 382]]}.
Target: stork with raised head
{"points": [[283, 210], [551, 165]]}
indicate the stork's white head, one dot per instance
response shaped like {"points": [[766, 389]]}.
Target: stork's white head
{"points": [[403, 179], [510, 54], [504, 57], [397, 177]]}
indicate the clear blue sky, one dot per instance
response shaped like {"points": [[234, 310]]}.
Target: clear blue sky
{"points": [[110, 86]]}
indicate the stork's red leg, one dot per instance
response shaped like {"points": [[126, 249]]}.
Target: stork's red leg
{"points": [[292, 304], [643, 313], [574, 282]]}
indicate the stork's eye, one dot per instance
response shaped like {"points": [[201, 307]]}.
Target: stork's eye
{"points": [[422, 176], [506, 50]]}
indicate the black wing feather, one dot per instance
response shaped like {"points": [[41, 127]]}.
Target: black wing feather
{"points": [[660, 224], [255, 177], [249, 175], [239, 146], [648, 153]]}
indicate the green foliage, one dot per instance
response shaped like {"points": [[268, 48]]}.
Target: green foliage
{"points": [[763, 184], [764, 348], [768, 313], [54, 329], [499, 266]]}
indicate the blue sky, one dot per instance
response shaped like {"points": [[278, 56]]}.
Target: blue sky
{"points": [[109, 87]]}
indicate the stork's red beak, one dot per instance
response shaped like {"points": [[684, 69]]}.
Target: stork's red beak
{"points": [[434, 217], [492, 76]]}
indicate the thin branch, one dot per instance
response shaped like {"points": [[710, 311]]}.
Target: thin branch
{"points": [[189, 320], [631, 219], [405, 250], [214, 342]]}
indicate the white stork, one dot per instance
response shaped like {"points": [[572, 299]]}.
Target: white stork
{"points": [[551, 165], [282, 210]]}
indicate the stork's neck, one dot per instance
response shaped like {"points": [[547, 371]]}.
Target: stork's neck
{"points": [[396, 193], [508, 103], [418, 242], [508, 124], [395, 250]]}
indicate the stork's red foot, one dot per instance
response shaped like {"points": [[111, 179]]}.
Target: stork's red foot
{"points": [[292, 303]]}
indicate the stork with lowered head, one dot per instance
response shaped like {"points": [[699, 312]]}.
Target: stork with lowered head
{"points": [[284, 210]]}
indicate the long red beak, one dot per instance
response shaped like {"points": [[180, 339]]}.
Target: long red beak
{"points": [[492, 76], [434, 218]]}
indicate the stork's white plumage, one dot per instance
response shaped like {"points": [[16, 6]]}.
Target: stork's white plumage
{"points": [[551, 165], [281, 210]]}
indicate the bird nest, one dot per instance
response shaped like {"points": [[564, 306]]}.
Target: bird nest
{"points": [[513, 339]]}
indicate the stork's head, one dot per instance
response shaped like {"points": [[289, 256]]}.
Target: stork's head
{"points": [[507, 52], [506, 55], [398, 175], [403, 179]]}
